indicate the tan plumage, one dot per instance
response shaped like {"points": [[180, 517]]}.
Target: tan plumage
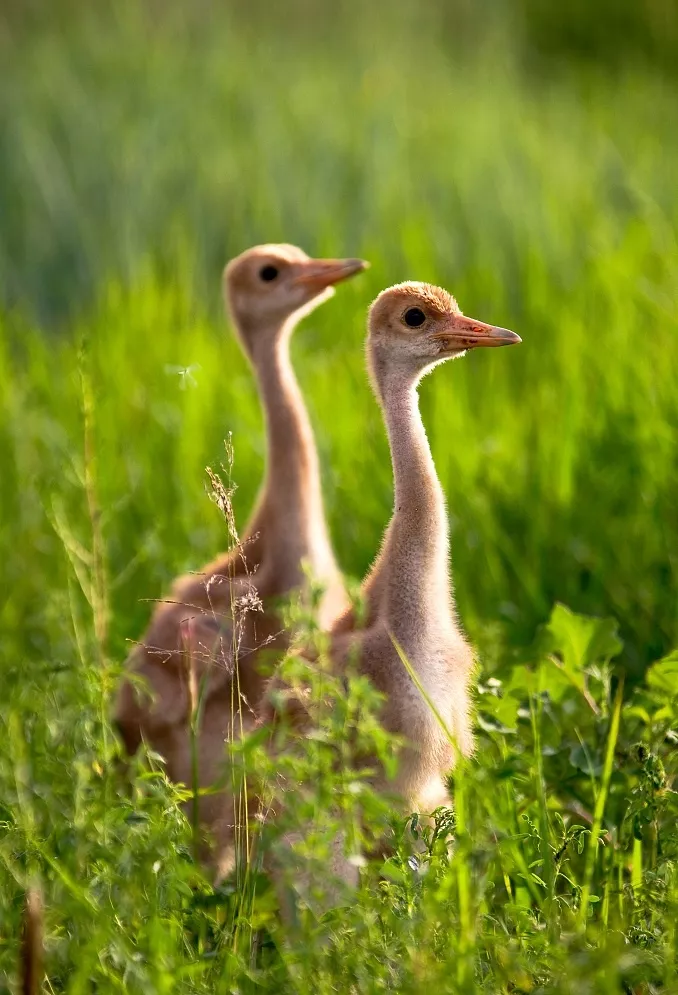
{"points": [[207, 639], [408, 593]]}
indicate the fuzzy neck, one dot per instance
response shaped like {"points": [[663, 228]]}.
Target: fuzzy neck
{"points": [[412, 573], [290, 513]]}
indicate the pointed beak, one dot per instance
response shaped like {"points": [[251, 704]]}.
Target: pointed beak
{"points": [[317, 274], [468, 333]]}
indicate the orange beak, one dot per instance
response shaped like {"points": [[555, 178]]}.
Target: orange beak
{"points": [[317, 274], [468, 333]]}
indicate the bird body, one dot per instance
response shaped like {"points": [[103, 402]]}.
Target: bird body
{"points": [[408, 598], [204, 644]]}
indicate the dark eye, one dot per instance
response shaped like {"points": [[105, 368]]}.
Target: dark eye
{"points": [[268, 273], [414, 317]]}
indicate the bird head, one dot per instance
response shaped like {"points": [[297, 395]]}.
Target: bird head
{"points": [[269, 284], [415, 326]]}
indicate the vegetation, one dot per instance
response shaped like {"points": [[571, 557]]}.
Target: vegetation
{"points": [[140, 147]]}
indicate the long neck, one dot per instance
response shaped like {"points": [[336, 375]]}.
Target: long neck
{"points": [[290, 511], [411, 577]]}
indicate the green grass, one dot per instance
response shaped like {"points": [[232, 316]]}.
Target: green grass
{"points": [[138, 152]]}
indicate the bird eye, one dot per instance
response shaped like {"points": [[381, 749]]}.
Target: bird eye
{"points": [[414, 317], [268, 273]]}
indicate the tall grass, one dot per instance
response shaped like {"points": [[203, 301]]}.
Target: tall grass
{"points": [[139, 149]]}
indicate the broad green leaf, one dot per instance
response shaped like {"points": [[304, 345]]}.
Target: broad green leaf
{"points": [[580, 641]]}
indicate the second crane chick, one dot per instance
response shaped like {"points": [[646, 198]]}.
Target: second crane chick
{"points": [[191, 639]]}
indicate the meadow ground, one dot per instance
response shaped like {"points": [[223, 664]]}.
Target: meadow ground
{"points": [[138, 152]]}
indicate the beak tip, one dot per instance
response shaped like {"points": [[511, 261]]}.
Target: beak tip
{"points": [[357, 265], [505, 336]]}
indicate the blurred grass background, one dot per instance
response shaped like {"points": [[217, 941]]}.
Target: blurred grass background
{"points": [[521, 154]]}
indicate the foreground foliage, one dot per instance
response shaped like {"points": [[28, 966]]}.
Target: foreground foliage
{"points": [[555, 870]]}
